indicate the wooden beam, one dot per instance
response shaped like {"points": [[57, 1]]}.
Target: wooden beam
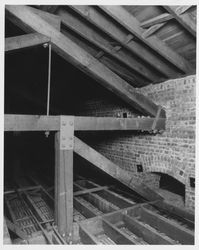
{"points": [[25, 41], [150, 31], [156, 20], [187, 215], [49, 8], [80, 58], [184, 19], [86, 237], [112, 123], [149, 235], [50, 18], [31, 123], [52, 123], [118, 34], [102, 204], [112, 169], [116, 235], [90, 190], [168, 227], [182, 9], [83, 209], [89, 33], [63, 190], [116, 199], [130, 23]]}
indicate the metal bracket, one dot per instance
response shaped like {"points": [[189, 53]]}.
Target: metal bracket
{"points": [[66, 132]]}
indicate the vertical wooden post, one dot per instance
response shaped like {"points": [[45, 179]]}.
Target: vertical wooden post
{"points": [[64, 181]]}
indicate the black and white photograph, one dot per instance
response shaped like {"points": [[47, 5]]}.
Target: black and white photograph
{"points": [[99, 123]]}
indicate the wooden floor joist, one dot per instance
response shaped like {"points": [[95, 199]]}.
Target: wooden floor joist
{"points": [[168, 227], [24, 16]]}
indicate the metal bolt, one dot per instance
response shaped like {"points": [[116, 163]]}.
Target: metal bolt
{"points": [[63, 235], [63, 123], [47, 134], [71, 123], [45, 45]]}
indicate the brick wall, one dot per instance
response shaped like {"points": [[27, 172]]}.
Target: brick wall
{"points": [[172, 152]]}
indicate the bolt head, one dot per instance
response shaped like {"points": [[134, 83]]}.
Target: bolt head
{"points": [[71, 123], [45, 45]]}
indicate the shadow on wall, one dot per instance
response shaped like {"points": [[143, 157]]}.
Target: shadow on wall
{"points": [[171, 189]]}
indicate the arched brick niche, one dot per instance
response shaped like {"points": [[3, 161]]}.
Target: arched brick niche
{"points": [[165, 165]]}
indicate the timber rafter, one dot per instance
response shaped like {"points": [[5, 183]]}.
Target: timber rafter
{"points": [[26, 18]]}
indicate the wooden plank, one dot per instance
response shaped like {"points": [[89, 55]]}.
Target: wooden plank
{"points": [[103, 205], [116, 235], [86, 237], [90, 190], [187, 215], [83, 209], [182, 9], [118, 34], [150, 236], [64, 189], [150, 31], [52, 123], [156, 20], [112, 169], [80, 58], [92, 35], [168, 227], [25, 41], [115, 199], [184, 19], [124, 18], [22, 189]]}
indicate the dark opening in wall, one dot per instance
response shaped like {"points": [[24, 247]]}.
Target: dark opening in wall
{"points": [[192, 182], [139, 168], [172, 185]]}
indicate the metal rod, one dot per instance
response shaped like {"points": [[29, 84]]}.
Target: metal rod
{"points": [[49, 78]]}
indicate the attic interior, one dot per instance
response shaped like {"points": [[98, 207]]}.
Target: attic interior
{"points": [[99, 142]]}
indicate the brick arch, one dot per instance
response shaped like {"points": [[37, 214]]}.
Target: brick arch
{"points": [[164, 165]]}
